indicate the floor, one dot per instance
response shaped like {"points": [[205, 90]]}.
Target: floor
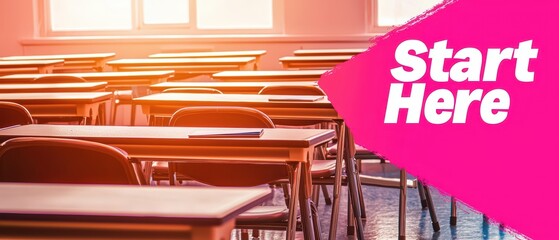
{"points": [[382, 215]]}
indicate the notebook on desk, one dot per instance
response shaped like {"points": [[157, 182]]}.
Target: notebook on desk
{"points": [[295, 98], [229, 133]]}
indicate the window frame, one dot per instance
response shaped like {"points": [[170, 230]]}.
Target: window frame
{"points": [[372, 18], [139, 28]]}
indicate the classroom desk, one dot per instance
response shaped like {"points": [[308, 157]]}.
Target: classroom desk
{"points": [[53, 87], [66, 211], [269, 76], [329, 52], [113, 79], [41, 66], [185, 65], [312, 62], [250, 53], [165, 104], [290, 146], [60, 104], [227, 87], [94, 61]]}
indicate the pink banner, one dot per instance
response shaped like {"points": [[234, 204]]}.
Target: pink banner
{"points": [[465, 97]]}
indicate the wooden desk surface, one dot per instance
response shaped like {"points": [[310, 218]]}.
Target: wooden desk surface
{"points": [[328, 52], [30, 63], [283, 75], [319, 59], [228, 87], [75, 57], [56, 98], [53, 87], [180, 61], [252, 53], [129, 137], [93, 76], [184, 205]]}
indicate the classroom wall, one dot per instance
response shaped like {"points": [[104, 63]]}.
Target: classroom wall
{"points": [[308, 24]]}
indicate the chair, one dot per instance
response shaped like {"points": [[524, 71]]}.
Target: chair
{"points": [[239, 173], [292, 90], [14, 114], [58, 160], [60, 79]]}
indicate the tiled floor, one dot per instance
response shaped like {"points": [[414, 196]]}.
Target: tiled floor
{"points": [[382, 216]]}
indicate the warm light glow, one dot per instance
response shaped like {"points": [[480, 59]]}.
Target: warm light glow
{"points": [[398, 12], [88, 15], [234, 14], [166, 11]]}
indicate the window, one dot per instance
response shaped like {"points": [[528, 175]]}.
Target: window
{"points": [[390, 13], [105, 17]]}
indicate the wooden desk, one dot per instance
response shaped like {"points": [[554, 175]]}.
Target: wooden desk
{"points": [[290, 146], [94, 61], [41, 66], [60, 104], [329, 52], [185, 65], [59, 211], [113, 79], [251, 53], [165, 104], [312, 62], [53, 87], [227, 87], [269, 76]]}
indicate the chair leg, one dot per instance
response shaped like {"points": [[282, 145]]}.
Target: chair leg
{"points": [[286, 193], [434, 220], [453, 215], [113, 114], [337, 182], [326, 195], [244, 234], [402, 209], [255, 233], [316, 223], [315, 194], [422, 195]]}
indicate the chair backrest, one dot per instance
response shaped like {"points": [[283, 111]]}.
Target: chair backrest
{"points": [[192, 90], [58, 79], [234, 117], [14, 114], [227, 173], [292, 90], [59, 160]]}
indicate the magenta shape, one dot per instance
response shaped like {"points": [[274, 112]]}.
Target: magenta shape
{"points": [[506, 171]]}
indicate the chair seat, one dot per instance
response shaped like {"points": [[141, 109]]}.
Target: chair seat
{"points": [[360, 152], [123, 94], [264, 214], [323, 168]]}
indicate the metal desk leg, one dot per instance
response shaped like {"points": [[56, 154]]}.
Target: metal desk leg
{"points": [[305, 202], [340, 128], [453, 217], [431, 207], [421, 195], [295, 187], [402, 210], [352, 176]]}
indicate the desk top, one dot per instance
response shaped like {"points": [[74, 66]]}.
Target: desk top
{"points": [[304, 59], [126, 136], [76, 57], [328, 52], [56, 98], [267, 75], [102, 203], [52, 87], [226, 87], [93, 76], [180, 61], [247, 100], [30, 63], [253, 53]]}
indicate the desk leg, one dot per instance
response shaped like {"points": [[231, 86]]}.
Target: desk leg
{"points": [[305, 202], [402, 210], [213, 232], [352, 183], [340, 128], [295, 187]]}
